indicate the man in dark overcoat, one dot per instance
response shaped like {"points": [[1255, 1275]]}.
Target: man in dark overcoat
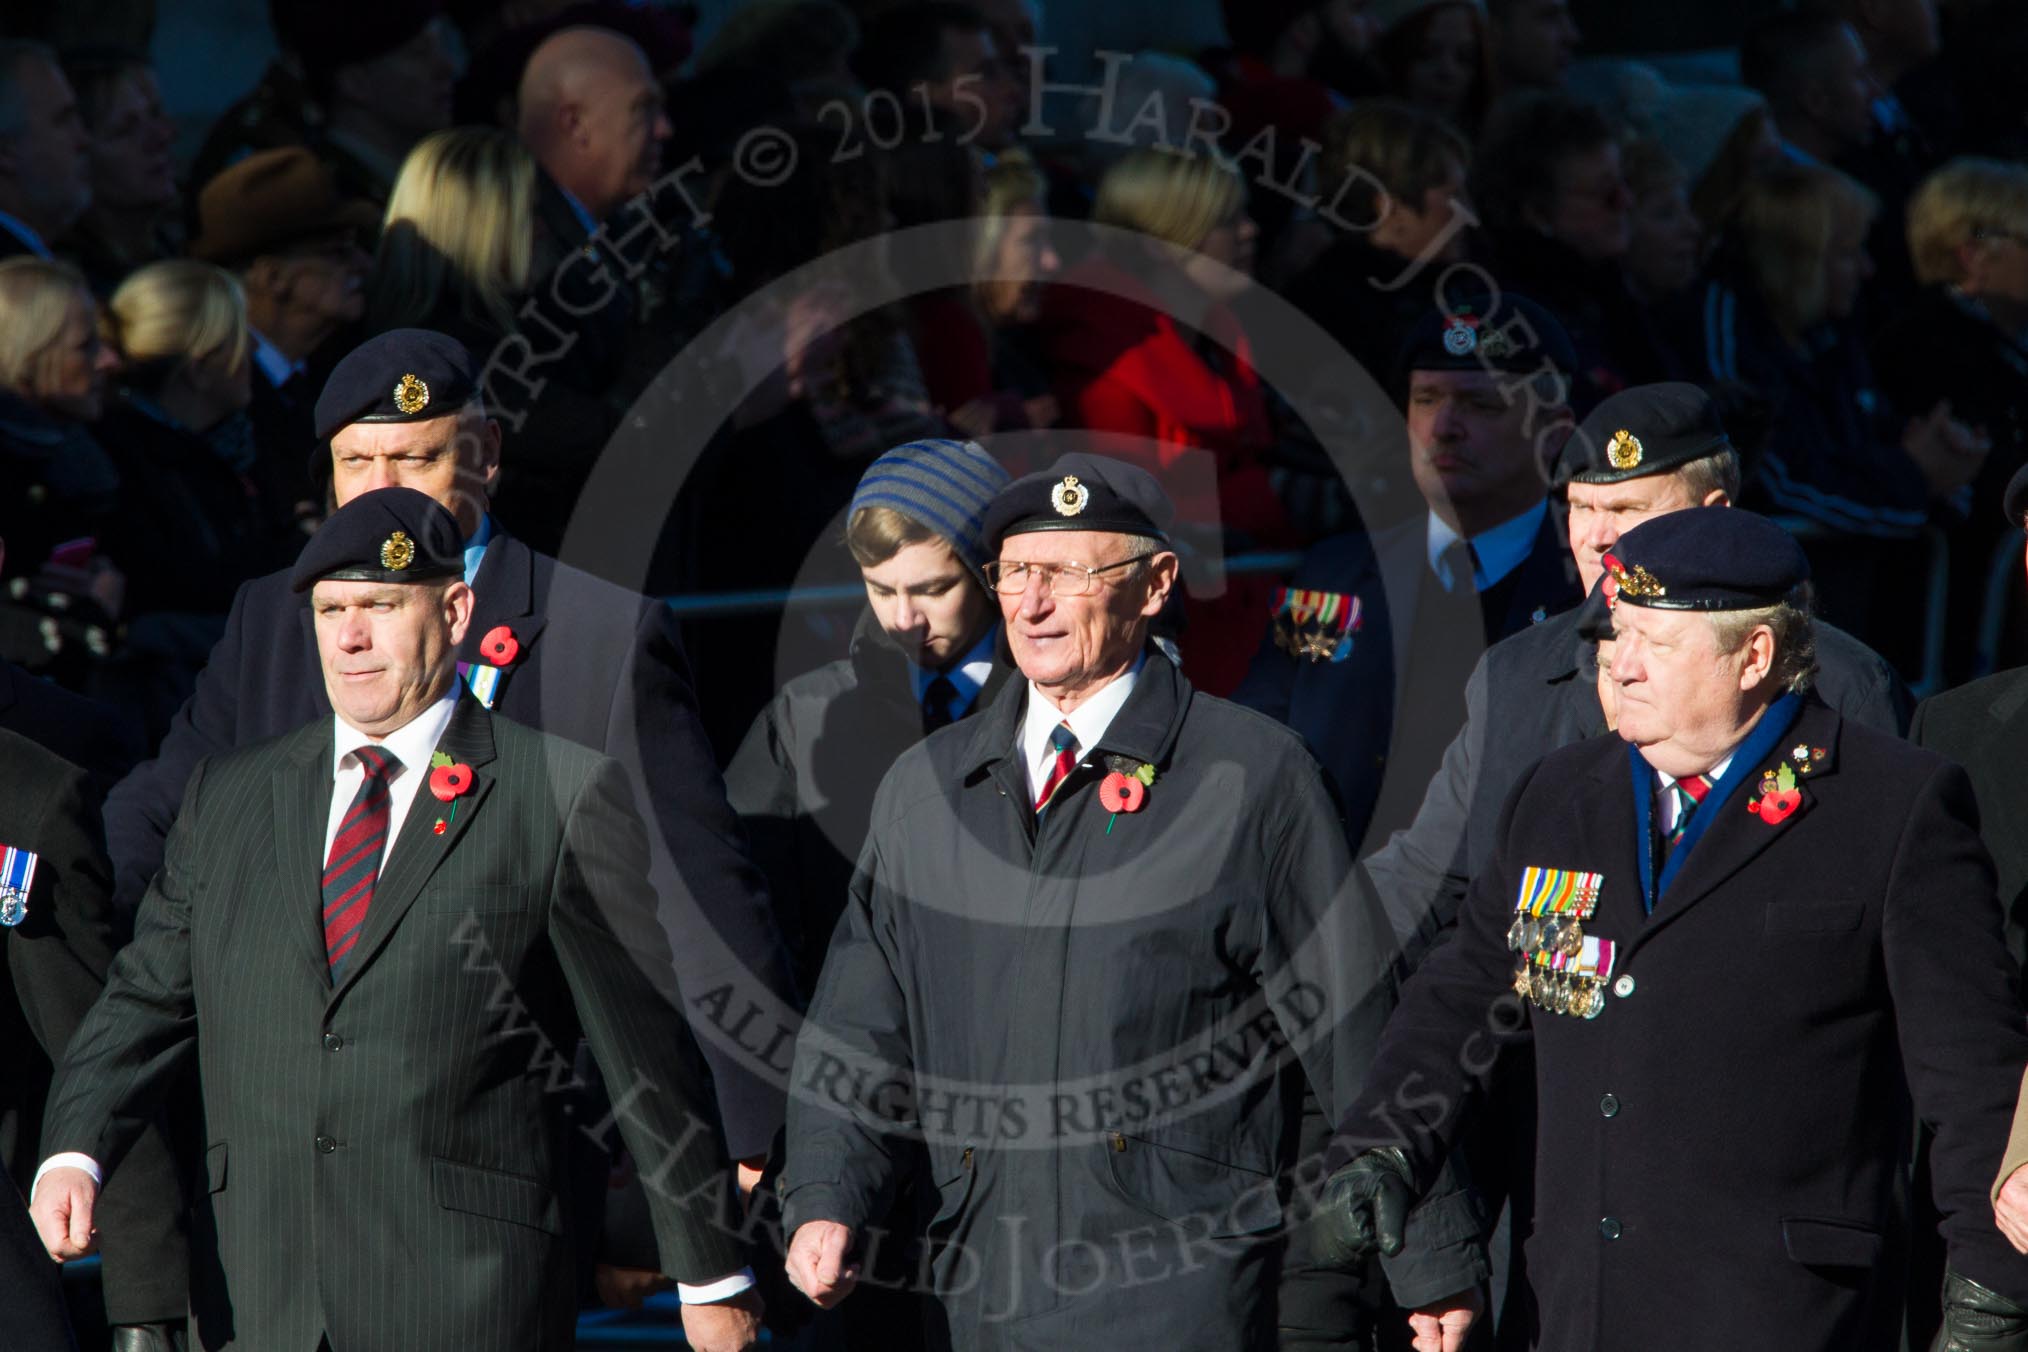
{"points": [[1741, 934], [1094, 946]]}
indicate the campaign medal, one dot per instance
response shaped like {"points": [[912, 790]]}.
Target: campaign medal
{"points": [[1317, 625], [17, 878], [1571, 985]]}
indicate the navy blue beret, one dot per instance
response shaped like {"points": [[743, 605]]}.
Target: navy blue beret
{"points": [[1486, 332], [1648, 429], [1081, 492], [2015, 501], [1706, 558], [387, 535], [403, 375]]}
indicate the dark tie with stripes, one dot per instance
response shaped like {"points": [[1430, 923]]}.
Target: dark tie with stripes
{"points": [[356, 851]]}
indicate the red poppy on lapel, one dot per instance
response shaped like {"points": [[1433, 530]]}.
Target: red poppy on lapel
{"points": [[450, 780], [499, 647], [1777, 799], [1122, 793]]}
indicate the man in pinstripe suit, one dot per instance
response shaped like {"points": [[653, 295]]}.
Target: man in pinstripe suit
{"points": [[381, 1072]]}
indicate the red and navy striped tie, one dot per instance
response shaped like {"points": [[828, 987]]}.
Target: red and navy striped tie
{"points": [[1689, 793], [1065, 742], [356, 852]]}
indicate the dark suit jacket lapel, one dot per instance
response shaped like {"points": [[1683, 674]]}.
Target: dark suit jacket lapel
{"points": [[1736, 836], [418, 849], [303, 787], [1401, 555], [2005, 797], [504, 593], [1547, 581]]}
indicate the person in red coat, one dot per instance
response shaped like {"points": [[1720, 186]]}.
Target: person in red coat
{"points": [[1140, 342]]}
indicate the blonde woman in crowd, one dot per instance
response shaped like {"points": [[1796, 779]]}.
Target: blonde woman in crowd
{"points": [[1963, 342], [188, 529], [1121, 340], [54, 374]]}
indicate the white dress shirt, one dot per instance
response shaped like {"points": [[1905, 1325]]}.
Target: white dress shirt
{"points": [[1088, 724]]}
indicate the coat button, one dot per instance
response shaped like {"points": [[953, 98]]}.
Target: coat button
{"points": [[1609, 1106], [325, 1145], [332, 1042], [1609, 1227], [1624, 986]]}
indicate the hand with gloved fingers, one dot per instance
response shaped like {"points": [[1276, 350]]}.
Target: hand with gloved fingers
{"points": [[1363, 1209], [1977, 1319]]}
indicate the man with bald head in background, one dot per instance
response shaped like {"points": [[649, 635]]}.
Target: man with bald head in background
{"points": [[590, 112]]}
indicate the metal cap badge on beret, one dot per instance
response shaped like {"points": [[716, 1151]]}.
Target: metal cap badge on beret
{"points": [[2015, 501], [403, 375], [1705, 558], [1648, 429], [387, 535], [1082, 492], [1487, 332]]}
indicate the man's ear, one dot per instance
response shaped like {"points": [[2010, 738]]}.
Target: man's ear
{"points": [[458, 610], [1717, 497], [1162, 570], [1760, 657]]}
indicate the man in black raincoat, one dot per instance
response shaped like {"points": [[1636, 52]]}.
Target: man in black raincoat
{"points": [[1095, 937]]}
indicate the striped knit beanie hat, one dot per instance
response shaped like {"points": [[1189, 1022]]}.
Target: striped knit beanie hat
{"points": [[940, 484]]}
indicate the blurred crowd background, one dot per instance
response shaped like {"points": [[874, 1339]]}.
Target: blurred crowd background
{"points": [[1820, 214]]}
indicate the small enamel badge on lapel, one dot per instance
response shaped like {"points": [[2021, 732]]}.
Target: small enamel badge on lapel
{"points": [[17, 877], [449, 780], [1779, 795]]}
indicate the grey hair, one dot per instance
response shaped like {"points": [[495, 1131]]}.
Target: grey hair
{"points": [[15, 53], [1719, 471], [1795, 638]]}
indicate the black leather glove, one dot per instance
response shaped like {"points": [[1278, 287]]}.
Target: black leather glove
{"points": [[1364, 1207], [1979, 1320]]}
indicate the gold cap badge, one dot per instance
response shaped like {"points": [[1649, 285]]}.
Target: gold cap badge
{"points": [[1069, 497], [1624, 450], [1635, 581], [411, 395], [397, 552]]}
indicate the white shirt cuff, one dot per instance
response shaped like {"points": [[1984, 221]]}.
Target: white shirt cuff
{"points": [[69, 1159], [724, 1287]]}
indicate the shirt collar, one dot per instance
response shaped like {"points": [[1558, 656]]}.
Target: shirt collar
{"points": [[1496, 552], [1797, 155], [412, 743], [1714, 774], [475, 548], [21, 230], [1088, 723], [968, 675], [579, 210], [274, 364]]}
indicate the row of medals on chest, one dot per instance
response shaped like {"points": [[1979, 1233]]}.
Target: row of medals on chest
{"points": [[1540, 940]]}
